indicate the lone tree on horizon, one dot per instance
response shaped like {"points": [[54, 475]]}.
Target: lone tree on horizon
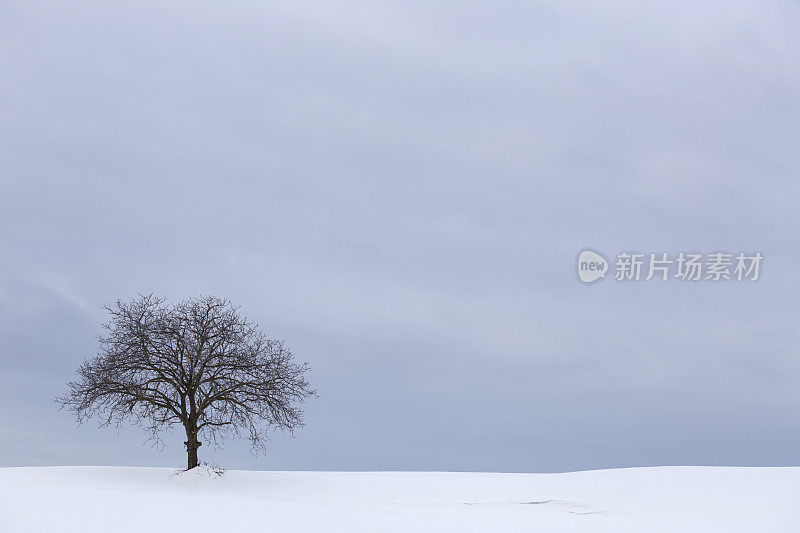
{"points": [[199, 364]]}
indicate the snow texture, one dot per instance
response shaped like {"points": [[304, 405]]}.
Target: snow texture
{"points": [[641, 500]]}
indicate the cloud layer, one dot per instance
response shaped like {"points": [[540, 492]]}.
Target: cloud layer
{"points": [[400, 192]]}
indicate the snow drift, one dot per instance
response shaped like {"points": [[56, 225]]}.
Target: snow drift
{"points": [[641, 500]]}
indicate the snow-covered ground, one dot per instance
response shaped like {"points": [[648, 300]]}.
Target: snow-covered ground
{"points": [[641, 500]]}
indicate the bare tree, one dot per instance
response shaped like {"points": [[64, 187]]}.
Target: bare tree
{"points": [[199, 364]]}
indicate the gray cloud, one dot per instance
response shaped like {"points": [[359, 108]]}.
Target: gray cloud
{"points": [[400, 190]]}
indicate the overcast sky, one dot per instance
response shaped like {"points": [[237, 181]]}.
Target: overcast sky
{"points": [[400, 190]]}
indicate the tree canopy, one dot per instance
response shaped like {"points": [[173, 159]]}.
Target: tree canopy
{"points": [[199, 364]]}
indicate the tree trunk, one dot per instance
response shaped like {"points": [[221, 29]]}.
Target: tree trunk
{"points": [[191, 447]]}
